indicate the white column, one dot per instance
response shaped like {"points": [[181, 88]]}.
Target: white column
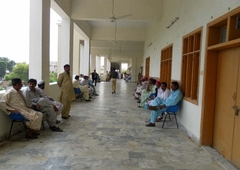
{"points": [[134, 70], [39, 40]]}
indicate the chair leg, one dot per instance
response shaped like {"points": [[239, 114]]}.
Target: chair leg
{"points": [[43, 127], [164, 120], [25, 128], [176, 120], [10, 130], [169, 116]]}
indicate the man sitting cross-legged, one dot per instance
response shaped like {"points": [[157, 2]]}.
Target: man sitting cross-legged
{"points": [[160, 105], [14, 102], [58, 107], [84, 89], [35, 99]]}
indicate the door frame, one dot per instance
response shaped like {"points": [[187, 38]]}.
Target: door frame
{"points": [[210, 75]]}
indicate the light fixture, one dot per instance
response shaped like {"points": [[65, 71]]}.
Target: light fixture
{"points": [[173, 21]]}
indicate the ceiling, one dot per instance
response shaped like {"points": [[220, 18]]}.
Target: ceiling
{"points": [[128, 25]]}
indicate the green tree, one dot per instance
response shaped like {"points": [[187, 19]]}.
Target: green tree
{"points": [[5, 64], [2, 68], [52, 77], [19, 71]]}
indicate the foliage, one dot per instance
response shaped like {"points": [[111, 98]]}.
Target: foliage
{"points": [[19, 71], [2, 68], [123, 71], [52, 77], [6, 64]]}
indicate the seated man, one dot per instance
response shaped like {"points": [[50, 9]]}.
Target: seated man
{"points": [[14, 102], [35, 99], [160, 105], [58, 107], [151, 88], [140, 87], [90, 83], [84, 82], [84, 89], [161, 92]]}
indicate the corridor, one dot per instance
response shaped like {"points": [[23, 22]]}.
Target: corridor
{"points": [[109, 133]]}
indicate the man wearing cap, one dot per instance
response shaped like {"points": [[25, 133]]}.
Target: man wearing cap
{"points": [[58, 107], [67, 94], [38, 102], [13, 101]]}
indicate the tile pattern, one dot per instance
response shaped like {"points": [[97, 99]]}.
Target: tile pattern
{"points": [[108, 133]]}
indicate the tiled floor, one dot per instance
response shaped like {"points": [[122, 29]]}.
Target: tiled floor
{"points": [[109, 133]]}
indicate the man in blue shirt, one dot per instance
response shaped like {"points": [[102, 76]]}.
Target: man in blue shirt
{"points": [[159, 105]]}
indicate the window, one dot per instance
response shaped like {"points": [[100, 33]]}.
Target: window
{"points": [[190, 65], [166, 65]]}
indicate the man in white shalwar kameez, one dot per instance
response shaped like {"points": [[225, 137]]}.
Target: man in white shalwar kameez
{"points": [[14, 102], [34, 98]]}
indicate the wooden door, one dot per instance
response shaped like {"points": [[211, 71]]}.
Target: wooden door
{"points": [[236, 135], [147, 67], [226, 123]]}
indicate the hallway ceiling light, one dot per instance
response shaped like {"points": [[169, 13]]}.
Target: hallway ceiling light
{"points": [[173, 21]]}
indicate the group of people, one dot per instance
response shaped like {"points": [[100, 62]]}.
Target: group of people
{"points": [[155, 96], [34, 104], [83, 84]]}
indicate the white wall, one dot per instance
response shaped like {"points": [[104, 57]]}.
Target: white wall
{"points": [[192, 14]]}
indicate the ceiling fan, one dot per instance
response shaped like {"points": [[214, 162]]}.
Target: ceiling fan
{"points": [[113, 18], [115, 34]]}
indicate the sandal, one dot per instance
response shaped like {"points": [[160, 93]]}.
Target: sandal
{"points": [[58, 121], [155, 108]]}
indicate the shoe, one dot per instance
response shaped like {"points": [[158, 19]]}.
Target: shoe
{"points": [[87, 100], [31, 137], [96, 95], [150, 124], [155, 108], [58, 121], [90, 97], [56, 129], [112, 92], [69, 115], [64, 117], [159, 119]]}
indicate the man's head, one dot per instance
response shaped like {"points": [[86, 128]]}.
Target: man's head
{"points": [[163, 86], [32, 83], [76, 77], [158, 84], [94, 71], [67, 68], [41, 84], [174, 85], [17, 83]]}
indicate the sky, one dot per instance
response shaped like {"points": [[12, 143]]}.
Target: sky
{"points": [[14, 31]]}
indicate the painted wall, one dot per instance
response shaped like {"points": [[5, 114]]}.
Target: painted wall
{"points": [[192, 15], [65, 6]]}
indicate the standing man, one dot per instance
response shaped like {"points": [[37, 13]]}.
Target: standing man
{"points": [[67, 94], [94, 77], [114, 76]]}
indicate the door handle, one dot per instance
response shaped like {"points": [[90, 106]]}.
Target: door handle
{"points": [[236, 110], [234, 96]]}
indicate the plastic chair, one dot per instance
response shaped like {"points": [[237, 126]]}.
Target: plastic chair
{"points": [[172, 110], [78, 93], [17, 118]]}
